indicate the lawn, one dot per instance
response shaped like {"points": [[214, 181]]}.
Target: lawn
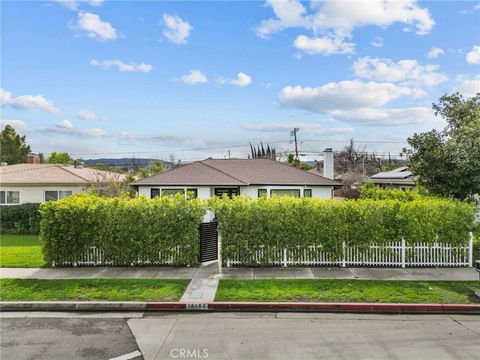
{"points": [[20, 251], [344, 290], [92, 289]]}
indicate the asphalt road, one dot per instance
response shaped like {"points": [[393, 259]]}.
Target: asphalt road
{"points": [[239, 336]]}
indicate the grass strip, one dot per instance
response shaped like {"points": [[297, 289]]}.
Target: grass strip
{"points": [[346, 290], [21, 251], [92, 289]]}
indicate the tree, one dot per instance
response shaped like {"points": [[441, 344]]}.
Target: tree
{"points": [[13, 148], [260, 152], [447, 162], [57, 157], [156, 167]]}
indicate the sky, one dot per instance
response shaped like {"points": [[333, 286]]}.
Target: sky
{"points": [[198, 79]]}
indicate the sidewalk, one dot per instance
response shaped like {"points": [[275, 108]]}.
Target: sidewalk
{"points": [[213, 272]]}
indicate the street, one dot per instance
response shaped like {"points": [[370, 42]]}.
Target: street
{"points": [[238, 336]]}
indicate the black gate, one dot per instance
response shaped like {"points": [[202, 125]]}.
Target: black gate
{"points": [[208, 241]]}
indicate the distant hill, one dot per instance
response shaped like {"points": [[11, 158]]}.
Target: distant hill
{"points": [[126, 163]]}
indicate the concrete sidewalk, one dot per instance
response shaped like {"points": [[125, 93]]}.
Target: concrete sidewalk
{"points": [[214, 272]]}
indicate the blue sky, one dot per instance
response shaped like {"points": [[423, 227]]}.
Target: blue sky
{"points": [[195, 79]]}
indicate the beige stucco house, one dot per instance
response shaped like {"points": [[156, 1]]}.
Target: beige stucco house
{"points": [[37, 183]]}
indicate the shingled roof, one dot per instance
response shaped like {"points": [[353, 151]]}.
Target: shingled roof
{"points": [[236, 172], [53, 174]]}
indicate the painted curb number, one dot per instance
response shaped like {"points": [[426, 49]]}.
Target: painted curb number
{"points": [[197, 306]]}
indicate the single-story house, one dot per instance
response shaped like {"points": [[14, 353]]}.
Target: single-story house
{"points": [[400, 178], [36, 183], [252, 177]]}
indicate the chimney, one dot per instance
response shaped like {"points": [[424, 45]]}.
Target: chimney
{"points": [[328, 163], [33, 158]]}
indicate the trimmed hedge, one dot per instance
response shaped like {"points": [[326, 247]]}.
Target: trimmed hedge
{"points": [[20, 219], [245, 225], [128, 231]]}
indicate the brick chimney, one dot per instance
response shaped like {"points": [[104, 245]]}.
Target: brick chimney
{"points": [[33, 158]]}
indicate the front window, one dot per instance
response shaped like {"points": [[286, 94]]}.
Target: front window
{"points": [[227, 191], [307, 193], [154, 193], [262, 192], [172, 192], [192, 193], [285, 192], [53, 195], [10, 197]]}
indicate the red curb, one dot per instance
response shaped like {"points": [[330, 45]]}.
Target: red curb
{"points": [[318, 307]]}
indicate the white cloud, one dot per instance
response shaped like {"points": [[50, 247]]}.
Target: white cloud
{"points": [[435, 52], [96, 2], [64, 124], [177, 30], [323, 45], [377, 42], [28, 102], [20, 126], [357, 102], [286, 126], [373, 116], [122, 66], [473, 57], [241, 80], [344, 95], [405, 71], [342, 17], [69, 4], [468, 87], [66, 127], [476, 7], [86, 114], [194, 77], [95, 27]]}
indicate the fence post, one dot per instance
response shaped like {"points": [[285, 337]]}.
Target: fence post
{"points": [[403, 252], [344, 260], [228, 263], [284, 257], [470, 250]]}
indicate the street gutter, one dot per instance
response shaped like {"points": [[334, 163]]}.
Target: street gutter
{"points": [[378, 308]]}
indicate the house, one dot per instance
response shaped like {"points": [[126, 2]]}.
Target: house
{"points": [[36, 183], [252, 177], [398, 178]]}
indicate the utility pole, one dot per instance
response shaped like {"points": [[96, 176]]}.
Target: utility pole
{"points": [[294, 134]]}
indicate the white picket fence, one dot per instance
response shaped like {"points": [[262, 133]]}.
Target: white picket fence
{"points": [[96, 257], [393, 254]]}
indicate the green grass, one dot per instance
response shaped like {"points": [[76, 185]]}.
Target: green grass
{"points": [[21, 251], [344, 290], [92, 289]]}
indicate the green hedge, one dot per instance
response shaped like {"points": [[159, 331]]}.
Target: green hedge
{"points": [[245, 225], [128, 231], [19, 219]]}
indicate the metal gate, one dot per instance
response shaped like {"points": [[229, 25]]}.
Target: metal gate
{"points": [[208, 241]]}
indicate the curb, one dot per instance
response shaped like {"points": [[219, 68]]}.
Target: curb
{"points": [[368, 308]]}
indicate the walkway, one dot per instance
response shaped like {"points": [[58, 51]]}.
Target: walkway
{"points": [[213, 272]]}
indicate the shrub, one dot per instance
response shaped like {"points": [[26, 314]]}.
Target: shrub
{"points": [[127, 231], [370, 191], [19, 219], [246, 225]]}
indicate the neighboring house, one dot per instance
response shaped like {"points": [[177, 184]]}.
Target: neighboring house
{"points": [[36, 183], [397, 178], [252, 177]]}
